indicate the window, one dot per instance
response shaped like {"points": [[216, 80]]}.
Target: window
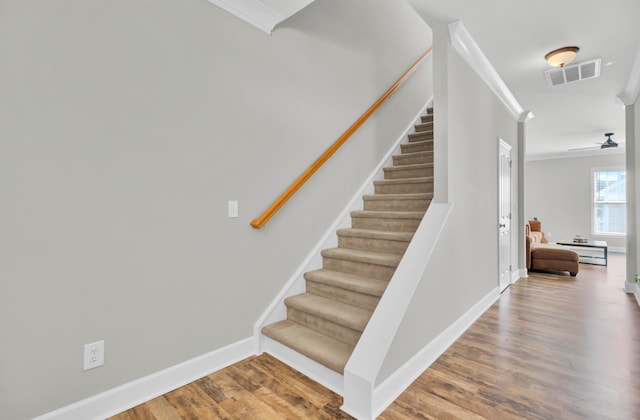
{"points": [[609, 201]]}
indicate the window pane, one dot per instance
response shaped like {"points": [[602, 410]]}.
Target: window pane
{"points": [[610, 218], [610, 186]]}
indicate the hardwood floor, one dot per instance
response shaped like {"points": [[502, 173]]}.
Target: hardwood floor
{"points": [[552, 346]]}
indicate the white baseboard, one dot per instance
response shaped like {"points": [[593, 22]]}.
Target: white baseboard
{"points": [[618, 249], [129, 395], [387, 392], [519, 274], [634, 289]]}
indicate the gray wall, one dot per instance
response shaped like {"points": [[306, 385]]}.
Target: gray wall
{"points": [[125, 128], [559, 195], [464, 266]]}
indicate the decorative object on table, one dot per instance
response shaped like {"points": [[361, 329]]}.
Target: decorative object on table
{"points": [[580, 240]]}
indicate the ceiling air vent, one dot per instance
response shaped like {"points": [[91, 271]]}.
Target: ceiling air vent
{"points": [[573, 73]]}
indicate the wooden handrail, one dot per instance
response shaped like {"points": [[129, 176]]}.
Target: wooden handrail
{"points": [[293, 188]]}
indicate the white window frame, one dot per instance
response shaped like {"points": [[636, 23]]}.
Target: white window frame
{"points": [[593, 200]]}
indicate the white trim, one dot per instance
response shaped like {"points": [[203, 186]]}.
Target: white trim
{"points": [[593, 202], [276, 311], [253, 12], [631, 92], [370, 352], [262, 14], [515, 276], [617, 249], [121, 398], [466, 46], [634, 289], [392, 387], [503, 146]]}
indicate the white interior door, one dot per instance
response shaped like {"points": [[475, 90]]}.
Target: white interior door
{"points": [[504, 216]]}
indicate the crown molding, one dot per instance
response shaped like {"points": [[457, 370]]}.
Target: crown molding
{"points": [[264, 15], [630, 94], [469, 50]]}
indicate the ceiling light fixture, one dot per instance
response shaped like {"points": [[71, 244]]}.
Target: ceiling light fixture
{"points": [[561, 56]]}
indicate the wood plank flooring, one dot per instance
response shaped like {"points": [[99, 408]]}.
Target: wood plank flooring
{"points": [[552, 347]]}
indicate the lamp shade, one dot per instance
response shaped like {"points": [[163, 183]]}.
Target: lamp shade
{"points": [[562, 56]]}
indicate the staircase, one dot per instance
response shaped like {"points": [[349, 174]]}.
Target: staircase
{"points": [[326, 322]]}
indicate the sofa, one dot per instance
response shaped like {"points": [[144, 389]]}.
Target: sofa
{"points": [[541, 255]]}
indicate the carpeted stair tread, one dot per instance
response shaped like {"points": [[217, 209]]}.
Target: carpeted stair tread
{"points": [[348, 281], [321, 348], [404, 185], [409, 166], [388, 214], [417, 146], [340, 313], [376, 234], [412, 157], [415, 170], [397, 202], [424, 126], [371, 239], [384, 197], [393, 221], [358, 255], [421, 136], [403, 180]]}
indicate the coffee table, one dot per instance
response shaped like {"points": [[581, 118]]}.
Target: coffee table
{"points": [[589, 259]]}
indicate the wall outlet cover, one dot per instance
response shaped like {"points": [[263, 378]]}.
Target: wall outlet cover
{"points": [[93, 355]]}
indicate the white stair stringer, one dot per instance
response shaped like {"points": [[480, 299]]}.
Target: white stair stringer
{"points": [[296, 284], [362, 398], [276, 311]]}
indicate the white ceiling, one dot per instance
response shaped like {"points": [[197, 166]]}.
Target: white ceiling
{"points": [[515, 35]]}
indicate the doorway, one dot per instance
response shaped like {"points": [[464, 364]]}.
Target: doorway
{"points": [[504, 215]]}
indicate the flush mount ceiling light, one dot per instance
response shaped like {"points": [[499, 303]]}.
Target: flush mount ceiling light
{"points": [[561, 56]]}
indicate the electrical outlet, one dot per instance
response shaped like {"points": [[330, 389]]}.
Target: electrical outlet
{"points": [[93, 355]]}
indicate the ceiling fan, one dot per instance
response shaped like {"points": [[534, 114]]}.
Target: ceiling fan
{"points": [[609, 143]]}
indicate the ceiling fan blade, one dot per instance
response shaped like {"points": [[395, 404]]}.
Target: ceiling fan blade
{"points": [[585, 148], [609, 143]]}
